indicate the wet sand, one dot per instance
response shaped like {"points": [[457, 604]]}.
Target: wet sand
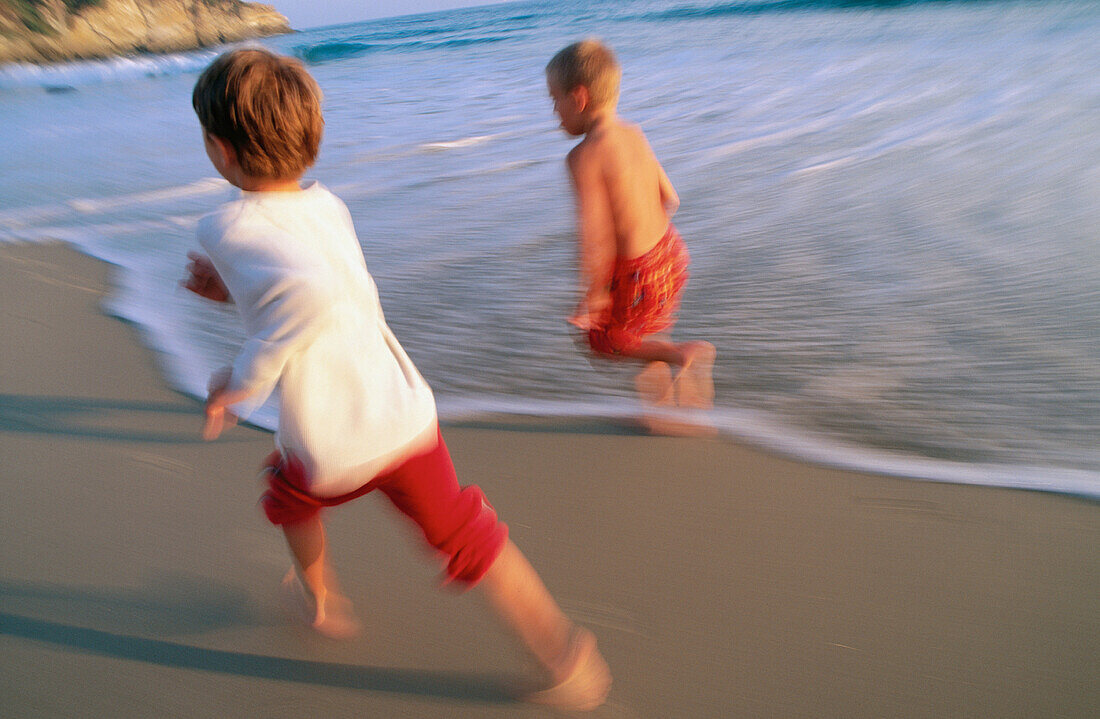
{"points": [[138, 578]]}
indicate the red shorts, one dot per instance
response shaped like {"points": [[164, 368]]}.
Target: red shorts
{"points": [[645, 295], [457, 521]]}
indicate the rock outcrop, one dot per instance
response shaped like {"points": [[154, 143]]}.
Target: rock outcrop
{"points": [[42, 31]]}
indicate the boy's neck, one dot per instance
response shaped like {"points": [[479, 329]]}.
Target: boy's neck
{"points": [[599, 120], [267, 184]]}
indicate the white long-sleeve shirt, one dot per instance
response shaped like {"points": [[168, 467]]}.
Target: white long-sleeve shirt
{"points": [[351, 403]]}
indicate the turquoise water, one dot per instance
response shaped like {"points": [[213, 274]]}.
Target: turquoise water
{"points": [[892, 210]]}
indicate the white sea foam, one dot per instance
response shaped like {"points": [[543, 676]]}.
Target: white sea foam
{"points": [[27, 223], [760, 429], [459, 144], [398, 151], [206, 186], [82, 73]]}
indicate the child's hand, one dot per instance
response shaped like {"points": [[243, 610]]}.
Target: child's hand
{"points": [[218, 400], [582, 321], [590, 311], [204, 280]]}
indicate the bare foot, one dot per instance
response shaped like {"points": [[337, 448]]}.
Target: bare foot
{"points": [[585, 680], [654, 385], [332, 617], [695, 382]]}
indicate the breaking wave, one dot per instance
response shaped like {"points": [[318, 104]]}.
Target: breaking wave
{"points": [[70, 76]]}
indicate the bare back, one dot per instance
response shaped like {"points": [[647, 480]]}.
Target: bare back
{"points": [[637, 191]]}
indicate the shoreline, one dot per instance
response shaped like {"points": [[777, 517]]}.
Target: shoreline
{"points": [[750, 428], [721, 580]]}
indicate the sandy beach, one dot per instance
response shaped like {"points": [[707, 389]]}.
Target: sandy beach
{"points": [[138, 578]]}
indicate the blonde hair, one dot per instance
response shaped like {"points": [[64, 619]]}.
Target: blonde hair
{"points": [[266, 106], [589, 63]]}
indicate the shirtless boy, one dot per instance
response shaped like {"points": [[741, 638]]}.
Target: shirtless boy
{"points": [[633, 263]]}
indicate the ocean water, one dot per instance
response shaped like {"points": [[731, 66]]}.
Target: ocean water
{"points": [[893, 210]]}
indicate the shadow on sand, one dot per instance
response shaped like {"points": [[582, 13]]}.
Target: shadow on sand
{"points": [[152, 610], [99, 418]]}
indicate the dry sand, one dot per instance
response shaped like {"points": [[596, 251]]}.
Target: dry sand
{"points": [[138, 579]]}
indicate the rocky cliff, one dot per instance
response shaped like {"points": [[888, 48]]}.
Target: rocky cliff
{"points": [[54, 30]]}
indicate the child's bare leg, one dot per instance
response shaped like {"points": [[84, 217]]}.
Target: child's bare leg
{"points": [[657, 392], [654, 385], [325, 609], [658, 350], [518, 595], [695, 381], [579, 675], [306, 540], [681, 354]]}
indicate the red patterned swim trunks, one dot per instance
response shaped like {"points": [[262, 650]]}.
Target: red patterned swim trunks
{"points": [[458, 521], [645, 295]]}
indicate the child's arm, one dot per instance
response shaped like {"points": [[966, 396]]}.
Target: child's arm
{"points": [[287, 312], [204, 280], [669, 199], [284, 313], [218, 401], [596, 237], [283, 306]]}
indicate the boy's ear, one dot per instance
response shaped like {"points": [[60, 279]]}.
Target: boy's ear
{"points": [[226, 153], [580, 97]]}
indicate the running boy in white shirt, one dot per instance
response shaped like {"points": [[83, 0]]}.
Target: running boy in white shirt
{"points": [[354, 413]]}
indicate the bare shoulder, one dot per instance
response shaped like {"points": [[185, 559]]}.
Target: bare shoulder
{"points": [[583, 155], [637, 136], [633, 128]]}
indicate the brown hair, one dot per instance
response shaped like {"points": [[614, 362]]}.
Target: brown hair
{"points": [[589, 63], [266, 106]]}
